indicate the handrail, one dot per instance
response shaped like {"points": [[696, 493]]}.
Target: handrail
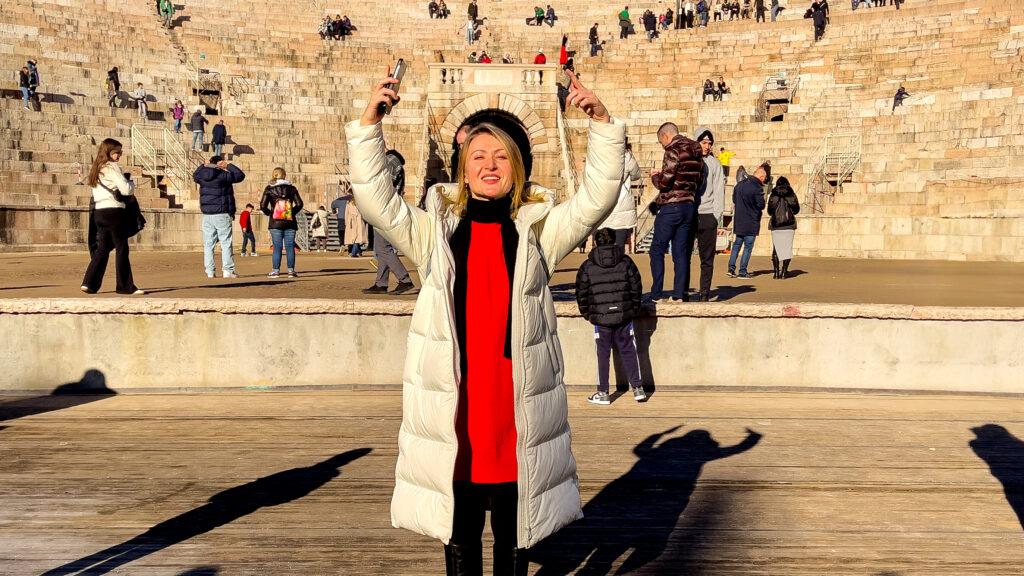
{"points": [[836, 159], [143, 151]]}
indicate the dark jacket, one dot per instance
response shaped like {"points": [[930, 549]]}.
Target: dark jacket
{"points": [[473, 11], [283, 190], [748, 196], [680, 176], [198, 122], [220, 134], [593, 35], [819, 18], [608, 287], [650, 22], [113, 79], [741, 175], [23, 81], [216, 188], [780, 219]]}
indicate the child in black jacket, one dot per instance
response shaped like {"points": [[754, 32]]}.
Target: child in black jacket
{"points": [[608, 290]]}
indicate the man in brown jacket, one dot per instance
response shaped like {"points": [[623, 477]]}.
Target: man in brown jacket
{"points": [[680, 181]]}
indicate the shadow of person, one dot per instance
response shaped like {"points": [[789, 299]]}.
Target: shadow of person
{"points": [[639, 510], [222, 508], [203, 571], [92, 387], [1004, 454]]}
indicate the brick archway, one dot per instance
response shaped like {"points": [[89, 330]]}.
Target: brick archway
{"points": [[520, 110]]}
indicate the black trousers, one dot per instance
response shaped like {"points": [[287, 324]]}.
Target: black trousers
{"points": [[621, 237], [725, 172], [110, 235], [620, 338], [707, 238], [472, 501]]}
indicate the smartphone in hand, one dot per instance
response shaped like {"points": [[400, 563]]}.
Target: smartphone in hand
{"points": [[400, 68]]}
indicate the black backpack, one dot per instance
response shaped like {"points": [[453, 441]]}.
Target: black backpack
{"points": [[783, 214]]}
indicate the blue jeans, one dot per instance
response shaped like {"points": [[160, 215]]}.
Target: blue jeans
{"points": [[593, 50], [650, 36], [177, 125], [285, 238], [775, 12], [675, 223], [247, 237], [217, 228], [217, 148], [198, 136], [747, 242], [470, 31], [24, 95]]}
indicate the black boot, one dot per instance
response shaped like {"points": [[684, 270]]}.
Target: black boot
{"points": [[785, 269], [705, 296], [511, 561], [463, 560], [775, 264]]}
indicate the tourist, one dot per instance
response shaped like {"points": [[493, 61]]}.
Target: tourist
{"points": [[338, 207], [220, 137], [325, 28], [741, 175], [473, 11], [538, 16], [346, 26], [593, 37], [898, 99], [688, 13], [432, 9], [484, 58], [474, 386], [167, 12], [178, 113], [823, 6], [113, 85], [110, 194], [745, 12], [387, 257], [317, 224], [702, 13], [355, 229], [470, 32], [563, 53], [198, 124], [723, 158], [716, 10], [281, 202], [216, 181], [540, 60], [679, 181], [23, 83], [650, 25], [139, 96], [550, 17], [767, 167], [506, 59], [776, 8], [669, 19], [818, 17], [33, 86], [624, 23], [759, 10], [622, 220], [709, 212], [748, 197], [337, 30], [472, 58], [783, 206], [442, 10], [709, 88], [245, 223], [723, 89], [608, 291]]}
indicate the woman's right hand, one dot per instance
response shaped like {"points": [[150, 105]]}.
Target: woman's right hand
{"points": [[382, 94]]}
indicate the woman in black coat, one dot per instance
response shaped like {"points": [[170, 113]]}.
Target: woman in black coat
{"points": [[783, 206]]}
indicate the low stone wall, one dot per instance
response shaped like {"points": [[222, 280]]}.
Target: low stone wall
{"points": [[154, 344]]}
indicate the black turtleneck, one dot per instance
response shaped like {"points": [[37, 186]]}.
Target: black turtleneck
{"points": [[483, 212]]}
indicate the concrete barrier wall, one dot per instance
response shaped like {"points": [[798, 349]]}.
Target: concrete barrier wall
{"points": [[194, 344]]}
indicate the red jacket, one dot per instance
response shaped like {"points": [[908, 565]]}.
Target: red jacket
{"points": [[540, 59], [485, 60], [243, 221], [563, 56]]}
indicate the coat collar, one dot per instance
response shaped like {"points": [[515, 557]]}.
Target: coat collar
{"points": [[440, 195]]}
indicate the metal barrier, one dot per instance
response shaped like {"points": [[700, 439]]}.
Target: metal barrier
{"points": [[836, 160]]}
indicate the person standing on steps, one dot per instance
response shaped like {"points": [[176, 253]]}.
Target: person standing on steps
{"points": [[783, 206], [624, 23], [723, 158], [24, 84], [748, 197], [248, 237], [140, 101], [178, 113], [113, 86], [679, 180], [338, 209], [608, 291], [110, 192], [167, 12], [216, 181], [818, 16], [484, 406], [220, 137], [388, 261], [472, 13], [594, 41], [198, 124], [898, 99], [709, 212], [281, 202], [318, 227]]}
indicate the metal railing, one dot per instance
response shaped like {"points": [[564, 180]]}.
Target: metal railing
{"points": [[144, 153], [835, 161], [572, 176], [776, 88]]}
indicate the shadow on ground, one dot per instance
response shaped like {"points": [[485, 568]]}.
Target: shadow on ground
{"points": [[92, 387], [1004, 454], [222, 508], [202, 571], [638, 513]]}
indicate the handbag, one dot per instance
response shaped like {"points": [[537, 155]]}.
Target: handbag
{"points": [[317, 222]]}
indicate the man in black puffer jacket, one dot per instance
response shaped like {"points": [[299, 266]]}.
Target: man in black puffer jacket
{"points": [[608, 290], [216, 181]]}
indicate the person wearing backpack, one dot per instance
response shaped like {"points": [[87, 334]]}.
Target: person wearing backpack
{"points": [[608, 291], [281, 202], [783, 206]]}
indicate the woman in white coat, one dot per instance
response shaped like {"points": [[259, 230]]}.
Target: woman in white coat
{"points": [[623, 218], [485, 414]]}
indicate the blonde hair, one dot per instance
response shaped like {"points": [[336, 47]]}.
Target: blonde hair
{"points": [[277, 174], [520, 187]]}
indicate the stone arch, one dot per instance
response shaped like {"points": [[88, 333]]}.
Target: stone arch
{"points": [[540, 139]]}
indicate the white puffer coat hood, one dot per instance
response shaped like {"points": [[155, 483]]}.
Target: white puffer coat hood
{"points": [[548, 487]]}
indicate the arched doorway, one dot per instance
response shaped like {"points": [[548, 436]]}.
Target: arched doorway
{"points": [[506, 122]]}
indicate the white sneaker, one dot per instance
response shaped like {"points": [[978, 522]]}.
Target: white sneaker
{"points": [[209, 274], [230, 274], [601, 398]]}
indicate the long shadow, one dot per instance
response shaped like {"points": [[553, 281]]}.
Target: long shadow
{"points": [[639, 510], [221, 286], [28, 287], [92, 387], [1004, 454], [202, 571], [563, 292], [222, 508]]}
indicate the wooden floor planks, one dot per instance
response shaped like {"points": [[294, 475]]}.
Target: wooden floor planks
{"points": [[229, 483]]}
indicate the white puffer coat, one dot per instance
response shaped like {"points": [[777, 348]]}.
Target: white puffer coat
{"points": [[623, 217], [548, 488]]}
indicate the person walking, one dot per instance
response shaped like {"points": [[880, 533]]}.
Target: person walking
{"points": [[216, 181], [25, 85], [387, 257], [178, 113], [759, 10], [679, 180], [167, 12], [355, 229], [709, 212], [220, 137], [898, 99], [608, 291], [110, 192], [113, 86], [198, 124], [748, 197], [624, 23], [281, 202], [318, 227], [783, 206], [338, 209], [622, 220], [818, 16], [723, 158], [245, 223], [593, 37], [484, 420], [139, 96]]}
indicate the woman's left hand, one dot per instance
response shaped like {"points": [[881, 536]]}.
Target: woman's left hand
{"points": [[583, 98]]}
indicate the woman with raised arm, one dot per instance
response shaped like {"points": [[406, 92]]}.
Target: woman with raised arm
{"points": [[485, 414]]}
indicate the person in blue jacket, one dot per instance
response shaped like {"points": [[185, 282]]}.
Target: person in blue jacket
{"points": [[216, 181], [748, 197]]}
